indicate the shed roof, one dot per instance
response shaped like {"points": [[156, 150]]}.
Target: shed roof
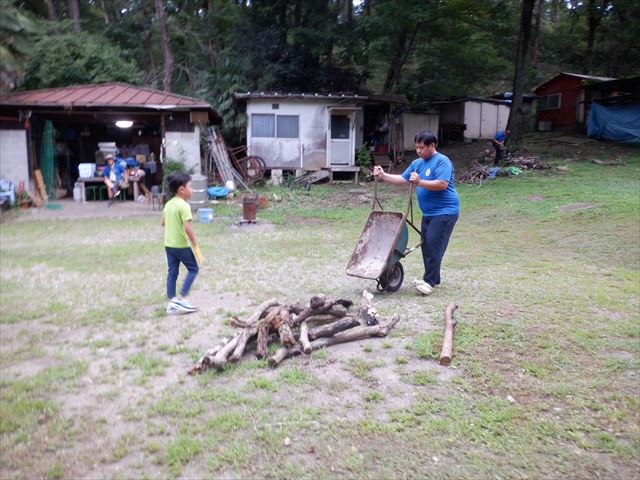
{"points": [[113, 95], [576, 75], [373, 97]]}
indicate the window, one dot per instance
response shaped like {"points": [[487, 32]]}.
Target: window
{"points": [[280, 126], [262, 125], [550, 102], [339, 127], [287, 126]]}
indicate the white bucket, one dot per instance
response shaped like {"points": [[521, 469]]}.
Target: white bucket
{"points": [[77, 191]]}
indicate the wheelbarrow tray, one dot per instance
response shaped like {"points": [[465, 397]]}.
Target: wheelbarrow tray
{"points": [[375, 245]]}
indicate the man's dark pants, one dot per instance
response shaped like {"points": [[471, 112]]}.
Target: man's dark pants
{"points": [[436, 231]]}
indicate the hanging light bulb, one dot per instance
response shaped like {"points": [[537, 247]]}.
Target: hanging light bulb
{"points": [[124, 123]]}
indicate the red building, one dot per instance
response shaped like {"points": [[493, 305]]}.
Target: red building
{"points": [[561, 101]]}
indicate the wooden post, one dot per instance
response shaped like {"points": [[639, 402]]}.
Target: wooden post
{"points": [[449, 328]]}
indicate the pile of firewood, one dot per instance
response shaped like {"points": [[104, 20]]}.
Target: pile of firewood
{"points": [[476, 173], [298, 329]]}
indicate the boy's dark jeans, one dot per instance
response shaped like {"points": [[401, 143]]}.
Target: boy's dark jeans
{"points": [[436, 231], [175, 256]]}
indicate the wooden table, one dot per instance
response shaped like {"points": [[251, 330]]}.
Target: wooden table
{"points": [[100, 180]]}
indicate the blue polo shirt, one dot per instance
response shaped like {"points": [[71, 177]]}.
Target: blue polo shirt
{"points": [[441, 202]]}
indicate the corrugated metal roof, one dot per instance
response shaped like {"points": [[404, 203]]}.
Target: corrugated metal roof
{"points": [[323, 96], [577, 75], [115, 95]]}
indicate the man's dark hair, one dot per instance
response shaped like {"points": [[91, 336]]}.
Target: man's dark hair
{"points": [[177, 180], [426, 137]]}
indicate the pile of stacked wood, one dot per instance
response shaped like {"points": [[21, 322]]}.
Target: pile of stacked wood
{"points": [[476, 173], [324, 322]]}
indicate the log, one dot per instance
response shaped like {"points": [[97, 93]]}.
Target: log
{"points": [[357, 333], [219, 360], [367, 311], [247, 334], [206, 358], [263, 340], [330, 329], [449, 329], [304, 337], [257, 315], [282, 323], [316, 307]]}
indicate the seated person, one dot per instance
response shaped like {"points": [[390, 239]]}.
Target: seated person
{"points": [[137, 174], [114, 178]]}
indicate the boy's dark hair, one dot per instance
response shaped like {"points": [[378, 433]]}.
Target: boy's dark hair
{"points": [[177, 180], [426, 137]]}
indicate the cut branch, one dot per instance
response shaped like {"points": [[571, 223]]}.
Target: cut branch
{"points": [[449, 329]]}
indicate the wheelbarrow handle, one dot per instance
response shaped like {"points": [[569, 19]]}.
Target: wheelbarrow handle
{"points": [[375, 197]]}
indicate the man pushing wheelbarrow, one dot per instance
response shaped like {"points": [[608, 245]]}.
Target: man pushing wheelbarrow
{"points": [[433, 177]]}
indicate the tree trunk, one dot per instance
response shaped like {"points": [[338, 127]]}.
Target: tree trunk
{"points": [[105, 12], [74, 13], [51, 11], [595, 11], [405, 47], [520, 68], [536, 33], [166, 46], [347, 11]]}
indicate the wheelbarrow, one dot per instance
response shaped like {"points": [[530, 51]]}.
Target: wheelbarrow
{"points": [[382, 244]]}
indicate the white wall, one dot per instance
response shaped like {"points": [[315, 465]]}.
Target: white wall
{"points": [[412, 123], [310, 150], [484, 119], [14, 162], [184, 146]]}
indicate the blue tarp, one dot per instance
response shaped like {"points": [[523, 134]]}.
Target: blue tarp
{"points": [[620, 123]]}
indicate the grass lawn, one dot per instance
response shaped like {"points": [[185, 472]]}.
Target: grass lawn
{"points": [[544, 382]]}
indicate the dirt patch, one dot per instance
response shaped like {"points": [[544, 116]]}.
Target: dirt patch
{"points": [[576, 206], [536, 198]]}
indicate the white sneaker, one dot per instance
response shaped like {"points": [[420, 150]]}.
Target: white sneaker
{"points": [[182, 306], [423, 287], [171, 310]]}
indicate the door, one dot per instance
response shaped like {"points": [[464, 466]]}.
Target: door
{"points": [[341, 138]]}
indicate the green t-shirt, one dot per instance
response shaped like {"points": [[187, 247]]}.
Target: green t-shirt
{"points": [[175, 213]]}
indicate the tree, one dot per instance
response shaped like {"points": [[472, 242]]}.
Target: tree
{"points": [[77, 58], [166, 46], [520, 67], [17, 33], [74, 13]]}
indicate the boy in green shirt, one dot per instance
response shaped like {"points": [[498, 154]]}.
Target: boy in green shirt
{"points": [[179, 242]]}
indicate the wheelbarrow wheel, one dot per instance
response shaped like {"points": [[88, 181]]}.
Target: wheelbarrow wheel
{"points": [[391, 279]]}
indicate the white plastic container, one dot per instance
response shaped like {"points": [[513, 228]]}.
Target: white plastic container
{"points": [[86, 170], [77, 191]]}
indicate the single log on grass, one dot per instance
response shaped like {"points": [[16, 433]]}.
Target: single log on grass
{"points": [[449, 329], [357, 333]]}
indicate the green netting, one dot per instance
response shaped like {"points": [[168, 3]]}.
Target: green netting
{"points": [[47, 160]]}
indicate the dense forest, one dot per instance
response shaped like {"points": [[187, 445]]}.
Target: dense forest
{"points": [[425, 49]]}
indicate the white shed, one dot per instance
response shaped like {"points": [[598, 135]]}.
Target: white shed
{"points": [[314, 131], [416, 120], [473, 118]]}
